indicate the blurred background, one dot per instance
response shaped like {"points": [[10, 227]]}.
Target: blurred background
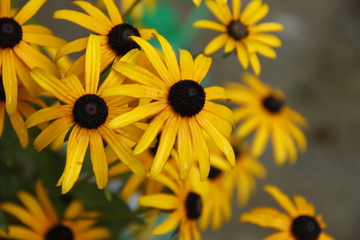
{"points": [[318, 68]]}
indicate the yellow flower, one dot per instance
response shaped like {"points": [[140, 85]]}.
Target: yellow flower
{"points": [[138, 11], [263, 109], [198, 2], [23, 109], [42, 221], [240, 31], [300, 222], [247, 169], [185, 203], [18, 52], [181, 108], [87, 111], [113, 33]]}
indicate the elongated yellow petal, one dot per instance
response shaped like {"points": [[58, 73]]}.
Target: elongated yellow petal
{"points": [[201, 67], [21, 214], [135, 90], [255, 64], [303, 207], [248, 127], [43, 40], [230, 45], [260, 139], [282, 199], [298, 135], [266, 27], [242, 55], [113, 11], [184, 144], [264, 49], [33, 207], [95, 13], [151, 132], [74, 85], [98, 159], [250, 9], [166, 144], [50, 133], [169, 224], [236, 9], [255, 83], [5, 6], [29, 10], [279, 236], [155, 59], [160, 201], [52, 85], [186, 65], [45, 202], [19, 126], [81, 19], [220, 11], [215, 44], [210, 25], [215, 92], [279, 147], [29, 28], [138, 113], [48, 114], [123, 152], [256, 16], [170, 58], [19, 232], [9, 80], [92, 64], [147, 33], [131, 185], [267, 39], [72, 47], [220, 111], [23, 73]]}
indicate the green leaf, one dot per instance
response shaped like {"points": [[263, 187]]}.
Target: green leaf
{"points": [[3, 222]]}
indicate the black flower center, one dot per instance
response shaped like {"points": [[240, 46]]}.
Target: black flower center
{"points": [[10, 33], [305, 228], [214, 173], [193, 206], [273, 104], [59, 232], [119, 41], [237, 30], [2, 90], [90, 111], [187, 98]]}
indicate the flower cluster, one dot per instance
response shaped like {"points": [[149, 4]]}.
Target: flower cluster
{"points": [[141, 114]]}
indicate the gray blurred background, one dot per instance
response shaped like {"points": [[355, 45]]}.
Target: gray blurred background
{"points": [[318, 68]]}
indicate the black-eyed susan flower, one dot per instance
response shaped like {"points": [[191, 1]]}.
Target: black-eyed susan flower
{"points": [[113, 33], [43, 223], [243, 176], [181, 109], [18, 52], [263, 110], [300, 221], [23, 109], [185, 203], [86, 112], [240, 31]]}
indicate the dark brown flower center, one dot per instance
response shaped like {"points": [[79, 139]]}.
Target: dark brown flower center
{"points": [[119, 41], [272, 104], [10, 33], [237, 30], [187, 98], [214, 173], [193, 206], [59, 232], [305, 228], [90, 111]]}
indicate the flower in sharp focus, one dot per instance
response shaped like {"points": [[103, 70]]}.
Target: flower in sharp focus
{"points": [[241, 32], [43, 223], [23, 109], [185, 203], [113, 33], [18, 52], [300, 222], [88, 112], [181, 109], [263, 110]]}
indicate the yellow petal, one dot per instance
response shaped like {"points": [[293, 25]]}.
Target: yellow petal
{"points": [[48, 114], [5, 7], [33, 206], [28, 10], [210, 25], [21, 214], [113, 11], [74, 85], [215, 44], [45, 202], [135, 90], [215, 92], [256, 16], [131, 185], [230, 45], [147, 33], [220, 11], [282, 199], [9, 80], [201, 67], [266, 27], [267, 39], [255, 64], [186, 65], [36, 29], [98, 159], [43, 40], [72, 47], [260, 139], [19, 232], [236, 9], [220, 111], [18, 125], [242, 55], [279, 236], [160, 201], [169, 224], [184, 145], [23, 73], [92, 64], [279, 147], [247, 127], [303, 206], [250, 9]]}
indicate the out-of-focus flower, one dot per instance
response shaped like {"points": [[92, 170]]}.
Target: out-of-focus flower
{"points": [[263, 110], [241, 32], [298, 223], [42, 221]]}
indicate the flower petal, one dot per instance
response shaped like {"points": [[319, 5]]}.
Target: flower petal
{"points": [[160, 201], [113, 11], [184, 145], [72, 47], [92, 64], [215, 44], [266, 27], [169, 224], [210, 25], [18, 125], [215, 92], [186, 65], [43, 40], [9, 80], [5, 7], [98, 159], [28, 10], [282, 199], [201, 67], [220, 11], [242, 55]]}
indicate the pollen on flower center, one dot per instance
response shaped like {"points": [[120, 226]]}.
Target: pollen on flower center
{"points": [[10, 33], [59, 232], [237, 30], [119, 41], [193, 206], [214, 173], [2, 90], [272, 104], [305, 228], [90, 111], [187, 98]]}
